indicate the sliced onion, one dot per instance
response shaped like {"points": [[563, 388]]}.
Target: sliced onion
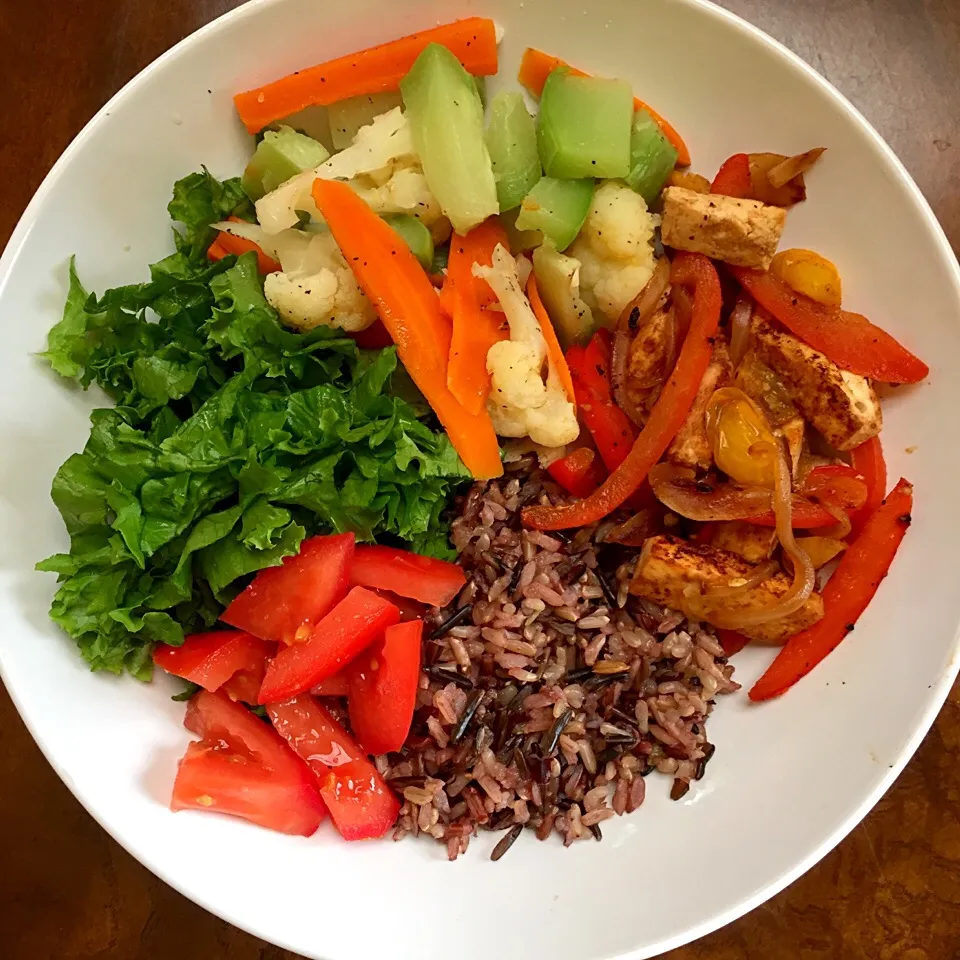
{"points": [[783, 173], [740, 329], [676, 489], [633, 532], [739, 584], [804, 576], [633, 316]]}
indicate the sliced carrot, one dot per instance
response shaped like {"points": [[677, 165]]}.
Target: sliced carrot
{"points": [[465, 298], [476, 247], [554, 351], [216, 251], [227, 243], [536, 66], [392, 277], [475, 331], [472, 41]]}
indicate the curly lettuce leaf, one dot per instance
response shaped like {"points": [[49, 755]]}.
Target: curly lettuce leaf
{"points": [[232, 440]]}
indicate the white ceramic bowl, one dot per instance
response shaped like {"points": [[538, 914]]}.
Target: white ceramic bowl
{"points": [[789, 779]]}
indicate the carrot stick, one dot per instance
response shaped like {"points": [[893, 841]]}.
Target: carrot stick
{"points": [[476, 247], [392, 277], [216, 251], [472, 41], [554, 351], [227, 243], [475, 331], [465, 298], [536, 66]]}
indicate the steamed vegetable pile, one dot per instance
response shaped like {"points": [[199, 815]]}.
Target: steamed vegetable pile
{"points": [[406, 285]]}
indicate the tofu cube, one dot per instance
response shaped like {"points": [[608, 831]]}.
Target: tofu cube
{"points": [[841, 405], [669, 566], [744, 233]]}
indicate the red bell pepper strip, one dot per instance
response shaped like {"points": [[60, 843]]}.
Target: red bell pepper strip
{"points": [[352, 625], [284, 603], [361, 804], [579, 473], [431, 581], [536, 66], [733, 178], [836, 486], [867, 460], [245, 769], [383, 688], [211, 659], [612, 430], [848, 339], [392, 277], [731, 641], [669, 412], [845, 596], [227, 244], [472, 41]]}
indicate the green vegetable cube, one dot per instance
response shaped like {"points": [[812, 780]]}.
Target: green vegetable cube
{"points": [[280, 155], [557, 208], [584, 126], [512, 142], [652, 157]]}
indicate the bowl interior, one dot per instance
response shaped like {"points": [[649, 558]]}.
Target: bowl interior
{"points": [[788, 779]]}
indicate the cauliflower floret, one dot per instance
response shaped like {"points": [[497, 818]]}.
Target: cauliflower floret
{"points": [[406, 191], [317, 287], [381, 165], [615, 249], [521, 403]]}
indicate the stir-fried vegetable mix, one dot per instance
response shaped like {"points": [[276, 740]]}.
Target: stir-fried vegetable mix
{"points": [[358, 325]]}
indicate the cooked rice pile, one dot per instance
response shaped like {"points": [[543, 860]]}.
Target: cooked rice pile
{"points": [[548, 693]]}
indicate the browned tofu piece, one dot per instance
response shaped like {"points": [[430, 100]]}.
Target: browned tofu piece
{"points": [[670, 565], [742, 232], [648, 357], [755, 544], [691, 446], [841, 405]]}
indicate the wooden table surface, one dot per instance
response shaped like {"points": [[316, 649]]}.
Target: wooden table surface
{"points": [[891, 891]]}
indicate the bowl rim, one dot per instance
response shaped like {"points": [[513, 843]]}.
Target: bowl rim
{"points": [[937, 694]]}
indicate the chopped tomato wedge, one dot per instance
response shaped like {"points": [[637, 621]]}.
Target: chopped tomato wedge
{"points": [[245, 685], [212, 659], [336, 686], [426, 579], [383, 688], [361, 804], [243, 768], [409, 609], [351, 626], [284, 603]]}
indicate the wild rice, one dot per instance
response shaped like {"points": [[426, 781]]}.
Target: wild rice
{"points": [[549, 693]]}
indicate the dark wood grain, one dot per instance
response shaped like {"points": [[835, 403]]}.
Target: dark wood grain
{"points": [[891, 891]]}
